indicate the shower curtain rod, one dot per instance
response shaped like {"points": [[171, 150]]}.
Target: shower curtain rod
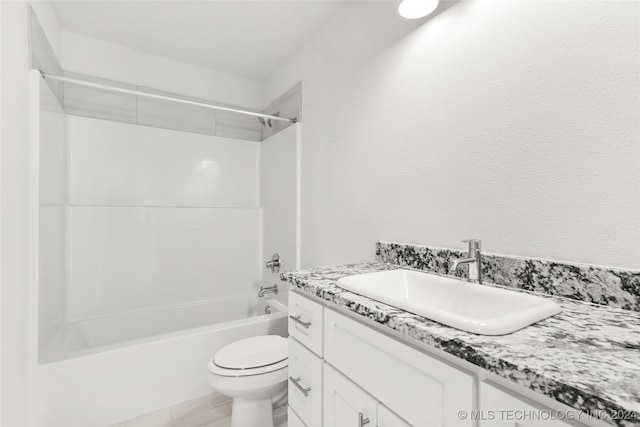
{"points": [[163, 97]]}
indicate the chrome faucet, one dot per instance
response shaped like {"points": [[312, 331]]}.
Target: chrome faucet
{"points": [[269, 289], [474, 256]]}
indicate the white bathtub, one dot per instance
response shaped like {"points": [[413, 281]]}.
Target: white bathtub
{"points": [[114, 368]]}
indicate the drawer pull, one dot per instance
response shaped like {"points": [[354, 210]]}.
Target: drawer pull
{"points": [[303, 390], [299, 322], [362, 421]]}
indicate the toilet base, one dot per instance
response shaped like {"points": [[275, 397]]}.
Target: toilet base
{"points": [[252, 413]]}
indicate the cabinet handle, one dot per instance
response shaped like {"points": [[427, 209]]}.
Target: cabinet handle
{"points": [[303, 390], [299, 322], [362, 420]]}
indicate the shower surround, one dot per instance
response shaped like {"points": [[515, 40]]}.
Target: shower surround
{"points": [[150, 255]]}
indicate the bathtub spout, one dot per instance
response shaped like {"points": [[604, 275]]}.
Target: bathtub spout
{"points": [[269, 289]]}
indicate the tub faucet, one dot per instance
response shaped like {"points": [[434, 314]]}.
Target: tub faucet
{"points": [[474, 256], [269, 289]]}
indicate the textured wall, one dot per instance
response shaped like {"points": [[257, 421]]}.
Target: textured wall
{"points": [[15, 182], [14, 199], [513, 122]]}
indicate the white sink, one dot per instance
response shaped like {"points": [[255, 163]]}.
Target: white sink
{"points": [[467, 306]]}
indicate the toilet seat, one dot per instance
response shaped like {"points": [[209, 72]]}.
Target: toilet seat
{"points": [[225, 372], [251, 356]]}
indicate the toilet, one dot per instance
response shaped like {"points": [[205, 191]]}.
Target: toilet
{"points": [[253, 371]]}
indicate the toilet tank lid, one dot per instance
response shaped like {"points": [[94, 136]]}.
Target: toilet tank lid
{"points": [[252, 352]]}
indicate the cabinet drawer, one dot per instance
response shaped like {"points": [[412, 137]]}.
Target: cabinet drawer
{"points": [[421, 389], [305, 322], [305, 384], [500, 408]]}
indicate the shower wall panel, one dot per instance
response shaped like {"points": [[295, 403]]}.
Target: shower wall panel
{"points": [[133, 258], [279, 201], [101, 104], [159, 217], [121, 164], [52, 159]]}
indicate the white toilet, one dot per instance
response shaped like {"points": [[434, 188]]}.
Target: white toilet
{"points": [[252, 371]]}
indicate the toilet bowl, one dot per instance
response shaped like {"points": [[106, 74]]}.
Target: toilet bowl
{"points": [[253, 372]]}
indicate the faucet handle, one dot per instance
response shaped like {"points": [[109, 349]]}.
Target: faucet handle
{"points": [[274, 264]]}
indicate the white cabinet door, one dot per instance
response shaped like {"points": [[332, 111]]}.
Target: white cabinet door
{"points": [[420, 388], [346, 404], [386, 418], [293, 420], [500, 408]]}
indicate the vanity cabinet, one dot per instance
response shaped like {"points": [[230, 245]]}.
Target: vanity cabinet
{"points": [[333, 359], [420, 388], [345, 373], [305, 361], [293, 420], [386, 418], [346, 404], [501, 408]]}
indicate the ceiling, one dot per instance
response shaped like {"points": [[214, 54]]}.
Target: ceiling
{"points": [[243, 38]]}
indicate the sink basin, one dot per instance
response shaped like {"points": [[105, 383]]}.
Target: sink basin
{"points": [[462, 305]]}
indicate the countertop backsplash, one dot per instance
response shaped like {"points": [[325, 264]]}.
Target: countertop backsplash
{"points": [[607, 286]]}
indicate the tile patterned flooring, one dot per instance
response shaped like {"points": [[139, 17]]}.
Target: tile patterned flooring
{"points": [[212, 410]]}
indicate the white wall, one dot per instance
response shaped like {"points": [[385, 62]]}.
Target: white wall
{"points": [[513, 122], [15, 181], [1, 123], [85, 55], [14, 199], [159, 217], [278, 192]]}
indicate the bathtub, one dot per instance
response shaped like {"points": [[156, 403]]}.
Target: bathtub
{"points": [[105, 370]]}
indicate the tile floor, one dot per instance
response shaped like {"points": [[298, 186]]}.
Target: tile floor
{"points": [[212, 410]]}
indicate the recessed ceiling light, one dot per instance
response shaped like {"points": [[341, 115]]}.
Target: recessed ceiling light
{"points": [[413, 9]]}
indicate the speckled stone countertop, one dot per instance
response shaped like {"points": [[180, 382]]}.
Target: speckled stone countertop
{"points": [[587, 357]]}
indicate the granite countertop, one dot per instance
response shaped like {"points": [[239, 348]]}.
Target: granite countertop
{"points": [[587, 357]]}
